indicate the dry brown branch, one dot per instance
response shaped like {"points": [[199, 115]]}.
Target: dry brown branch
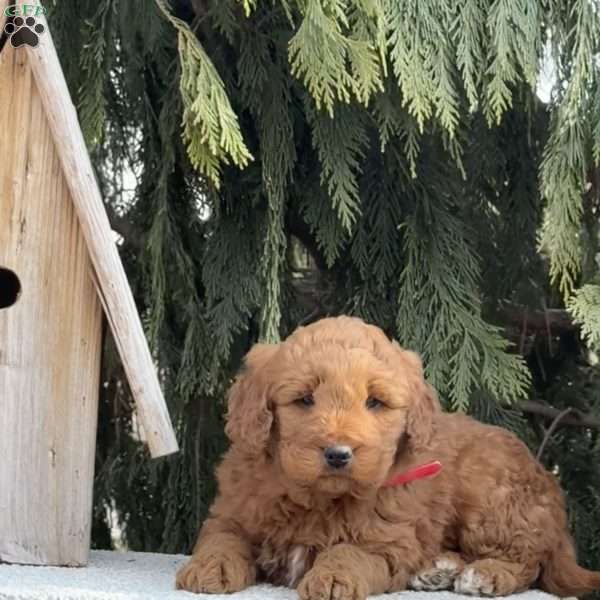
{"points": [[574, 418]]}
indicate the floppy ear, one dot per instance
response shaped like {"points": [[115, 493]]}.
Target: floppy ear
{"points": [[420, 426], [424, 403], [249, 418]]}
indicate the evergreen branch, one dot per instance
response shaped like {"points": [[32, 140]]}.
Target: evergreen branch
{"points": [[249, 6], [562, 181], [278, 155], [422, 56], [376, 246], [159, 244], [596, 120], [411, 139], [460, 350], [229, 275], [340, 144], [387, 115], [332, 65], [584, 305], [446, 97], [94, 62], [324, 223], [515, 29], [409, 48], [470, 54], [585, 35], [266, 88], [502, 67], [566, 157], [273, 257], [368, 24], [211, 128], [224, 17], [394, 122], [528, 39]]}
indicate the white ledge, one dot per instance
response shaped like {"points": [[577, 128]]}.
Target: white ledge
{"points": [[145, 576]]}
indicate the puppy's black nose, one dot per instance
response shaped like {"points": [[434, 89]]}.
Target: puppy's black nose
{"points": [[338, 456]]}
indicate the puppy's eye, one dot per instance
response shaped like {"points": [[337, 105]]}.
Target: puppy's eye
{"points": [[373, 403], [306, 400]]}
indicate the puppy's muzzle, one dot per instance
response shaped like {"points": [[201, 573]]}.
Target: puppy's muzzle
{"points": [[338, 457]]}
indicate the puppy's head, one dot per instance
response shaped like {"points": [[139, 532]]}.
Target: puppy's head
{"points": [[332, 404]]}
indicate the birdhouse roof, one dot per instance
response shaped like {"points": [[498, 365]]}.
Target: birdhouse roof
{"points": [[108, 272]]}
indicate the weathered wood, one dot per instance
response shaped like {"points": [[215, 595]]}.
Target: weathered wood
{"points": [[3, 5], [112, 282], [50, 341]]}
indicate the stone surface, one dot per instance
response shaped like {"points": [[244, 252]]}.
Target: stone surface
{"points": [[137, 576]]}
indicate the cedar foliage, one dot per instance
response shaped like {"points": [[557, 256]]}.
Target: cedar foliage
{"points": [[383, 158]]}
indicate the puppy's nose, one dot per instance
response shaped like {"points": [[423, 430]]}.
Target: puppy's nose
{"points": [[338, 456]]}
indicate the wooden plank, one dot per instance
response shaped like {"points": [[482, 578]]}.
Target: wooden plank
{"points": [[112, 282], [3, 5], [50, 341]]}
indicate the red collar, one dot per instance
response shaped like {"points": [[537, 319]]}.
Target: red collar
{"points": [[421, 472]]}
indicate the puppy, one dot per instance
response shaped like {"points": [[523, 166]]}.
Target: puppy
{"points": [[331, 483]]}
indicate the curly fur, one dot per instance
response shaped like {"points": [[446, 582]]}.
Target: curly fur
{"points": [[491, 523]]}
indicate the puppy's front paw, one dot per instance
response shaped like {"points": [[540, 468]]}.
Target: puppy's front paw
{"points": [[321, 583], [491, 577], [472, 582], [439, 577], [215, 574]]}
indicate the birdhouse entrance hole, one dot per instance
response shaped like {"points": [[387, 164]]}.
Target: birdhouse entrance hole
{"points": [[10, 288]]}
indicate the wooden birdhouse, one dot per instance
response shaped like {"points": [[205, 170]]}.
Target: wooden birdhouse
{"points": [[59, 272]]}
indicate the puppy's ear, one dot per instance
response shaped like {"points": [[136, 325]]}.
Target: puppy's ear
{"points": [[424, 403], [420, 426], [249, 418]]}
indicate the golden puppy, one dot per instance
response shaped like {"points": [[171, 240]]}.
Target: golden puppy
{"points": [[328, 485]]}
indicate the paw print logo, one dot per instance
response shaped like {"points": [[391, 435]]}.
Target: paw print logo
{"points": [[24, 31]]}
